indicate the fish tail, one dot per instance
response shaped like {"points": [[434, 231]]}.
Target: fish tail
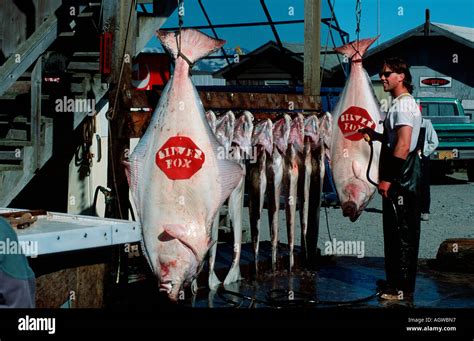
{"points": [[356, 49], [194, 45]]}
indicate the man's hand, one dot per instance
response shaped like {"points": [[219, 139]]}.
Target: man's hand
{"points": [[384, 187], [371, 135]]}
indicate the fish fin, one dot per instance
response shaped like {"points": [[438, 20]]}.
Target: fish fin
{"points": [[181, 233], [230, 175], [357, 169], [356, 49], [127, 171], [134, 172], [194, 44]]}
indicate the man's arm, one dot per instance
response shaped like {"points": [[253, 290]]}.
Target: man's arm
{"points": [[402, 146], [431, 139], [401, 150]]}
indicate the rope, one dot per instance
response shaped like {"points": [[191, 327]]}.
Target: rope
{"points": [[178, 36], [326, 46], [358, 10]]}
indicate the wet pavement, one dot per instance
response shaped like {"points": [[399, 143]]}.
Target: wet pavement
{"points": [[338, 282]]}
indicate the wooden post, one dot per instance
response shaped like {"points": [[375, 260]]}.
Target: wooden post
{"points": [[312, 48], [123, 49], [35, 127]]}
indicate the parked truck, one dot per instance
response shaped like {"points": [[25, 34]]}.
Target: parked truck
{"points": [[455, 132]]}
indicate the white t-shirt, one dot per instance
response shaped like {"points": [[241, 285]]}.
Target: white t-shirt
{"points": [[403, 112]]}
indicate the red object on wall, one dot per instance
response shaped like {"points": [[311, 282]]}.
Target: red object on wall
{"points": [[150, 69], [106, 53]]}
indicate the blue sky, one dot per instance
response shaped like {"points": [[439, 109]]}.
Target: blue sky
{"points": [[396, 17]]}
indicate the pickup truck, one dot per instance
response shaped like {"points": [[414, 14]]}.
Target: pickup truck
{"points": [[455, 132]]}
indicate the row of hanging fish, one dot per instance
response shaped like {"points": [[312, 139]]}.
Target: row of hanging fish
{"points": [[180, 175], [287, 159]]}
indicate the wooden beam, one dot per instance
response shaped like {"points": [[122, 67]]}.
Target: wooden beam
{"points": [[312, 47], [270, 103], [28, 53], [237, 101]]}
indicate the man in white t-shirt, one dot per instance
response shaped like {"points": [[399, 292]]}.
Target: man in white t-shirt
{"points": [[400, 177]]}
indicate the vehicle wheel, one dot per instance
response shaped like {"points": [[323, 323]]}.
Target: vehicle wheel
{"points": [[470, 171]]}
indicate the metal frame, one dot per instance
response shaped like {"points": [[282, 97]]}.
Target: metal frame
{"points": [[327, 21]]}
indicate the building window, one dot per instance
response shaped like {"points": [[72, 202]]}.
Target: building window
{"points": [[277, 82]]}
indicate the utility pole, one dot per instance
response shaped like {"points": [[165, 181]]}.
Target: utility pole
{"points": [[312, 48]]}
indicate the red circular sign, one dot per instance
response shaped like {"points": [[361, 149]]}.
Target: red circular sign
{"points": [[353, 119], [434, 81], [179, 158]]}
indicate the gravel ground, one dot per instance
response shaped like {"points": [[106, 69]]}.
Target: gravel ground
{"points": [[452, 216]]}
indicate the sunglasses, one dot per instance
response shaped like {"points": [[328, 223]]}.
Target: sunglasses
{"points": [[386, 74]]}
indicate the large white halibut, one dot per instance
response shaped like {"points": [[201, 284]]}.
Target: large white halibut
{"points": [[177, 180], [357, 108]]}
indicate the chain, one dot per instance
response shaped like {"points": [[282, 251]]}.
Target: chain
{"points": [[178, 36], [180, 14], [358, 16]]}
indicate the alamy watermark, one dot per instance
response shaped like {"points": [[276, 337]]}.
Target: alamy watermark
{"points": [[345, 248], [28, 323], [399, 106], [14, 247], [66, 104], [236, 153]]}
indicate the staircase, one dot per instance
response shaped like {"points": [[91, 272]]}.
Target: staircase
{"points": [[26, 112], [70, 45]]}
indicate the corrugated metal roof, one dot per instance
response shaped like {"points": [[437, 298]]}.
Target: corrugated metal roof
{"points": [[461, 34], [462, 31]]}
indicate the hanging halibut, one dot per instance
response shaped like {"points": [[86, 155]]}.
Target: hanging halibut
{"points": [[290, 179], [275, 171], [224, 131], [357, 108], [262, 142], [241, 150], [177, 180]]}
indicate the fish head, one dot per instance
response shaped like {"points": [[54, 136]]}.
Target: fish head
{"points": [[243, 129], [355, 192], [281, 133], [311, 130], [355, 196], [263, 135], [181, 253], [297, 133]]}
